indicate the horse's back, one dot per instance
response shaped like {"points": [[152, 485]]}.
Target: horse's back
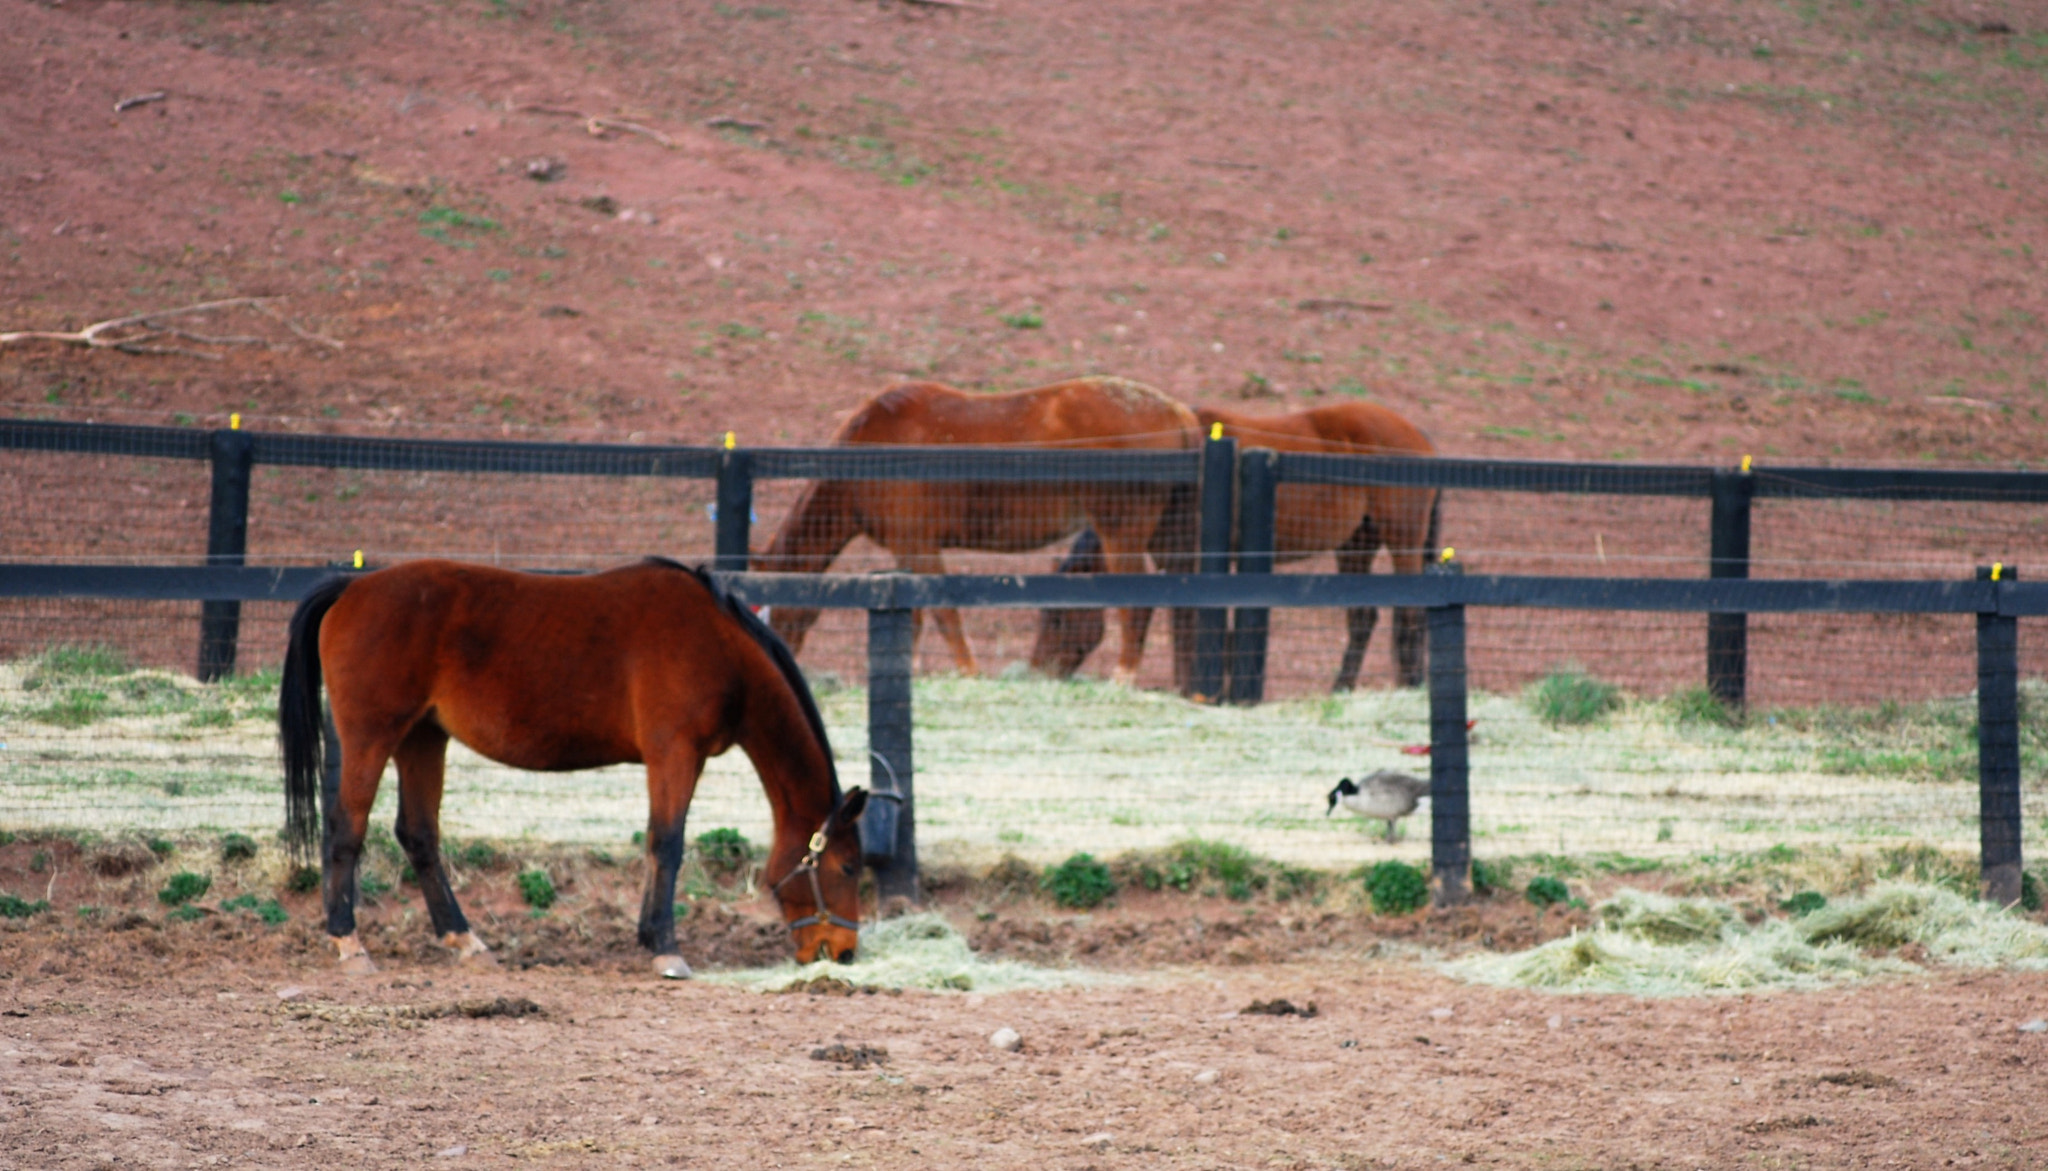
{"points": [[1097, 411], [538, 671], [1340, 428]]}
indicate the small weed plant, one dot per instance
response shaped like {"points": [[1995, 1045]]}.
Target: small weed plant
{"points": [[537, 889], [1699, 706], [1545, 891], [16, 907], [1396, 888], [1079, 883], [1568, 697], [303, 880], [724, 849], [184, 887], [237, 848]]}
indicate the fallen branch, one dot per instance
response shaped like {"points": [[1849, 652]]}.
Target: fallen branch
{"points": [[597, 124], [106, 335], [126, 104], [953, 4], [298, 330], [727, 122]]}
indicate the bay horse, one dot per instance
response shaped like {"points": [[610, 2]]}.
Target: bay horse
{"points": [[915, 520], [649, 663], [1355, 522]]}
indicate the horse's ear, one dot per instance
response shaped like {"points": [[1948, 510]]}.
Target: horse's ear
{"points": [[850, 808]]}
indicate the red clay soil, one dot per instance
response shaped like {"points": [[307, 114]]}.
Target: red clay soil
{"points": [[1672, 232], [133, 1040]]}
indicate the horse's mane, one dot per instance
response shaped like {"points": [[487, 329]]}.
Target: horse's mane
{"points": [[778, 653]]}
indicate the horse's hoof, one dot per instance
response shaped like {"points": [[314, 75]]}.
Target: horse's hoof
{"points": [[1123, 677], [671, 968], [467, 946], [352, 957]]}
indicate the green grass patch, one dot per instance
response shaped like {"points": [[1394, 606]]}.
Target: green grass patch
{"points": [[183, 887], [537, 889], [1568, 697], [237, 848], [1396, 888], [1079, 883], [724, 849], [1547, 891], [16, 907], [78, 707]]}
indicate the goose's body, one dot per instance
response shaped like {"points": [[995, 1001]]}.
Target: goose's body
{"points": [[1389, 796]]}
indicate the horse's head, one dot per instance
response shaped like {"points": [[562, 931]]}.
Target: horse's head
{"points": [[1065, 639], [820, 894]]}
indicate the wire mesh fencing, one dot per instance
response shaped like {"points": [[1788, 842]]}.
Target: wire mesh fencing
{"points": [[1858, 728]]}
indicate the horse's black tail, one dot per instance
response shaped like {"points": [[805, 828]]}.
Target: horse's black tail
{"points": [[299, 730], [1431, 549]]}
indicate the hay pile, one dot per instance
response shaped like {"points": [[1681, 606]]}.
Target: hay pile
{"points": [[914, 951], [1653, 945]]}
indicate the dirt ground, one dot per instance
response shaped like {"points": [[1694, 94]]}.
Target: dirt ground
{"points": [[252, 1053], [129, 1038], [1659, 231]]}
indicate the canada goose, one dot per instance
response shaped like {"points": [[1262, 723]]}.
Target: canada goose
{"points": [[1389, 796]]}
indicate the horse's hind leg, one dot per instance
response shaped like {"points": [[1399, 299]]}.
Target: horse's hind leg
{"points": [[422, 766], [363, 756], [1356, 557], [671, 782]]}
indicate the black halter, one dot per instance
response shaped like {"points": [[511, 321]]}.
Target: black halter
{"points": [[810, 866]]}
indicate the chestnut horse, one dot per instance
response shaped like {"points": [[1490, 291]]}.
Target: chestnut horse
{"points": [[1309, 518], [649, 663], [915, 520]]}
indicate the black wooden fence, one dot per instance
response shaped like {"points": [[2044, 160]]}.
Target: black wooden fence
{"points": [[1232, 486], [1996, 598]]}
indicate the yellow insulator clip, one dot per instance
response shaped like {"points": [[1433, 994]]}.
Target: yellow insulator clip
{"points": [[1997, 568], [1447, 555], [730, 441], [1215, 430], [359, 559], [235, 422], [1745, 465]]}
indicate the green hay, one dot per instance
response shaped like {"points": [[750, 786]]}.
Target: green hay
{"points": [[914, 951], [1654, 945]]}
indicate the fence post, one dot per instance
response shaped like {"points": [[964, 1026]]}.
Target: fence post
{"points": [[1212, 627], [1258, 472], [735, 509], [1450, 803], [1998, 749], [227, 540], [889, 645], [1728, 556]]}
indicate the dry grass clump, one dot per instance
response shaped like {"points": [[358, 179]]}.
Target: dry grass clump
{"points": [[1655, 945]]}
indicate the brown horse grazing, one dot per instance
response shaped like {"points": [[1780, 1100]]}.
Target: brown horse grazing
{"points": [[916, 520], [1309, 518], [649, 663]]}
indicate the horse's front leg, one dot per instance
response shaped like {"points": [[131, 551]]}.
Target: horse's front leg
{"points": [[671, 782], [422, 766]]}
